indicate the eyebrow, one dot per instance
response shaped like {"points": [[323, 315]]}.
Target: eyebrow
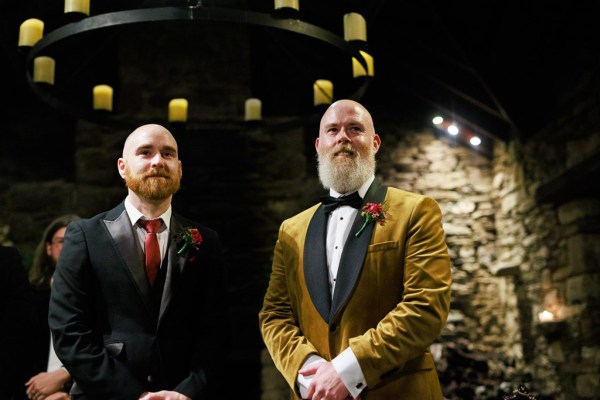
{"points": [[150, 146]]}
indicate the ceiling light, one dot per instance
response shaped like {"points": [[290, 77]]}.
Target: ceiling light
{"points": [[437, 120], [475, 141], [453, 130]]}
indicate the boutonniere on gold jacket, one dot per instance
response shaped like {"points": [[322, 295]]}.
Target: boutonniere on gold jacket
{"points": [[188, 237], [372, 212]]}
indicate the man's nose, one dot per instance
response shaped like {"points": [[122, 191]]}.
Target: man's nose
{"points": [[342, 137], [157, 159]]}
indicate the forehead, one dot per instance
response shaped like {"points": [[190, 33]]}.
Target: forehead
{"points": [[59, 233], [344, 114], [149, 138]]}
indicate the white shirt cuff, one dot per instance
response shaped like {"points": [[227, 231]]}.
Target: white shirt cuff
{"points": [[350, 372], [304, 381]]}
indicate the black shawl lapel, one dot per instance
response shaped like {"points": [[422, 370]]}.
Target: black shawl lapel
{"points": [[315, 263], [119, 226], [355, 251]]}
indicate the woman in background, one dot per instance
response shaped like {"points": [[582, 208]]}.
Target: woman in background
{"points": [[53, 381]]}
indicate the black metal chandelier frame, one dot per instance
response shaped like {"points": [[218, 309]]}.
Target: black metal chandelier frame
{"points": [[175, 14]]}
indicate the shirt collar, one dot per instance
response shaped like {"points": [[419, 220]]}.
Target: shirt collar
{"points": [[134, 214]]}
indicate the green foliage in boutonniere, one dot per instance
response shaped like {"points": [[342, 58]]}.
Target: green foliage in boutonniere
{"points": [[372, 212], [188, 237]]}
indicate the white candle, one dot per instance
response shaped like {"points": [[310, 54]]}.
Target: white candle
{"points": [[30, 32], [355, 27], [43, 69], [359, 70], [279, 4], [80, 6], [178, 109], [322, 92], [545, 316], [252, 109], [103, 97]]}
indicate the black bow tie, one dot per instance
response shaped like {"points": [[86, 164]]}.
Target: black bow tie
{"points": [[331, 203]]}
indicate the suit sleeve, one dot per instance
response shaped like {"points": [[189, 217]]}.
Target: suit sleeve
{"points": [[411, 327], [278, 323], [72, 320]]}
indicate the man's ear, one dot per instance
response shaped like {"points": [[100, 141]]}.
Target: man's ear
{"points": [[121, 167], [376, 142]]}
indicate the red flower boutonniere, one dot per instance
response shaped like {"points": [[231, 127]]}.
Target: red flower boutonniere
{"points": [[372, 212], [188, 237]]}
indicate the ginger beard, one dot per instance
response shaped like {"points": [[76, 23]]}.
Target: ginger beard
{"points": [[156, 184], [345, 174]]}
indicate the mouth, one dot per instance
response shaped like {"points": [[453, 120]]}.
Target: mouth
{"points": [[344, 153], [157, 176]]}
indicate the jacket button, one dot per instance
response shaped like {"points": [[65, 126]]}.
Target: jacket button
{"points": [[149, 379], [332, 327]]}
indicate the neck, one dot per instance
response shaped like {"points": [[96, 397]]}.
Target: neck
{"points": [[150, 208]]}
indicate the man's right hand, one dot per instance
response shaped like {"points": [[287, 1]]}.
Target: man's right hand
{"points": [[163, 395]]}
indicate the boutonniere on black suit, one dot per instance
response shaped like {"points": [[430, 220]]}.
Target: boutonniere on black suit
{"points": [[130, 313], [188, 242]]}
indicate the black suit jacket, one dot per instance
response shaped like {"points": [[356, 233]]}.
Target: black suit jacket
{"points": [[112, 335]]}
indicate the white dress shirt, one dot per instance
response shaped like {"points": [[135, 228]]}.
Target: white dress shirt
{"points": [[338, 228]]}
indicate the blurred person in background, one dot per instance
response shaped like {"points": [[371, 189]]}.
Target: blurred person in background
{"points": [[51, 380]]}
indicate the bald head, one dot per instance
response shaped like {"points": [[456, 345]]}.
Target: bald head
{"points": [[348, 107], [147, 133]]}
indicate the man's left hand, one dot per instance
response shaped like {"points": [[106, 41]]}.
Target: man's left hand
{"points": [[326, 383]]}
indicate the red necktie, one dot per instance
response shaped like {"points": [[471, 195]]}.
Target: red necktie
{"points": [[151, 247]]}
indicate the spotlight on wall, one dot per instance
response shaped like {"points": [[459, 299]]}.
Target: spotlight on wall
{"points": [[475, 141], [460, 132], [453, 129]]}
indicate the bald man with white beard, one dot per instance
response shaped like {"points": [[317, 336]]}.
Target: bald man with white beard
{"points": [[360, 282]]}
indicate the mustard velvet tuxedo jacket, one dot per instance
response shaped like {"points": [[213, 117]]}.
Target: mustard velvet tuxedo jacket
{"points": [[391, 300], [117, 336]]}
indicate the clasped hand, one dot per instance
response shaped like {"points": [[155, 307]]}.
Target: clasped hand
{"points": [[325, 383], [163, 395], [47, 385]]}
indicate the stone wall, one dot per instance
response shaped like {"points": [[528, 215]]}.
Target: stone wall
{"points": [[547, 223]]}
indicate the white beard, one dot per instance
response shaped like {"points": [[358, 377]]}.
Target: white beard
{"points": [[346, 175]]}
